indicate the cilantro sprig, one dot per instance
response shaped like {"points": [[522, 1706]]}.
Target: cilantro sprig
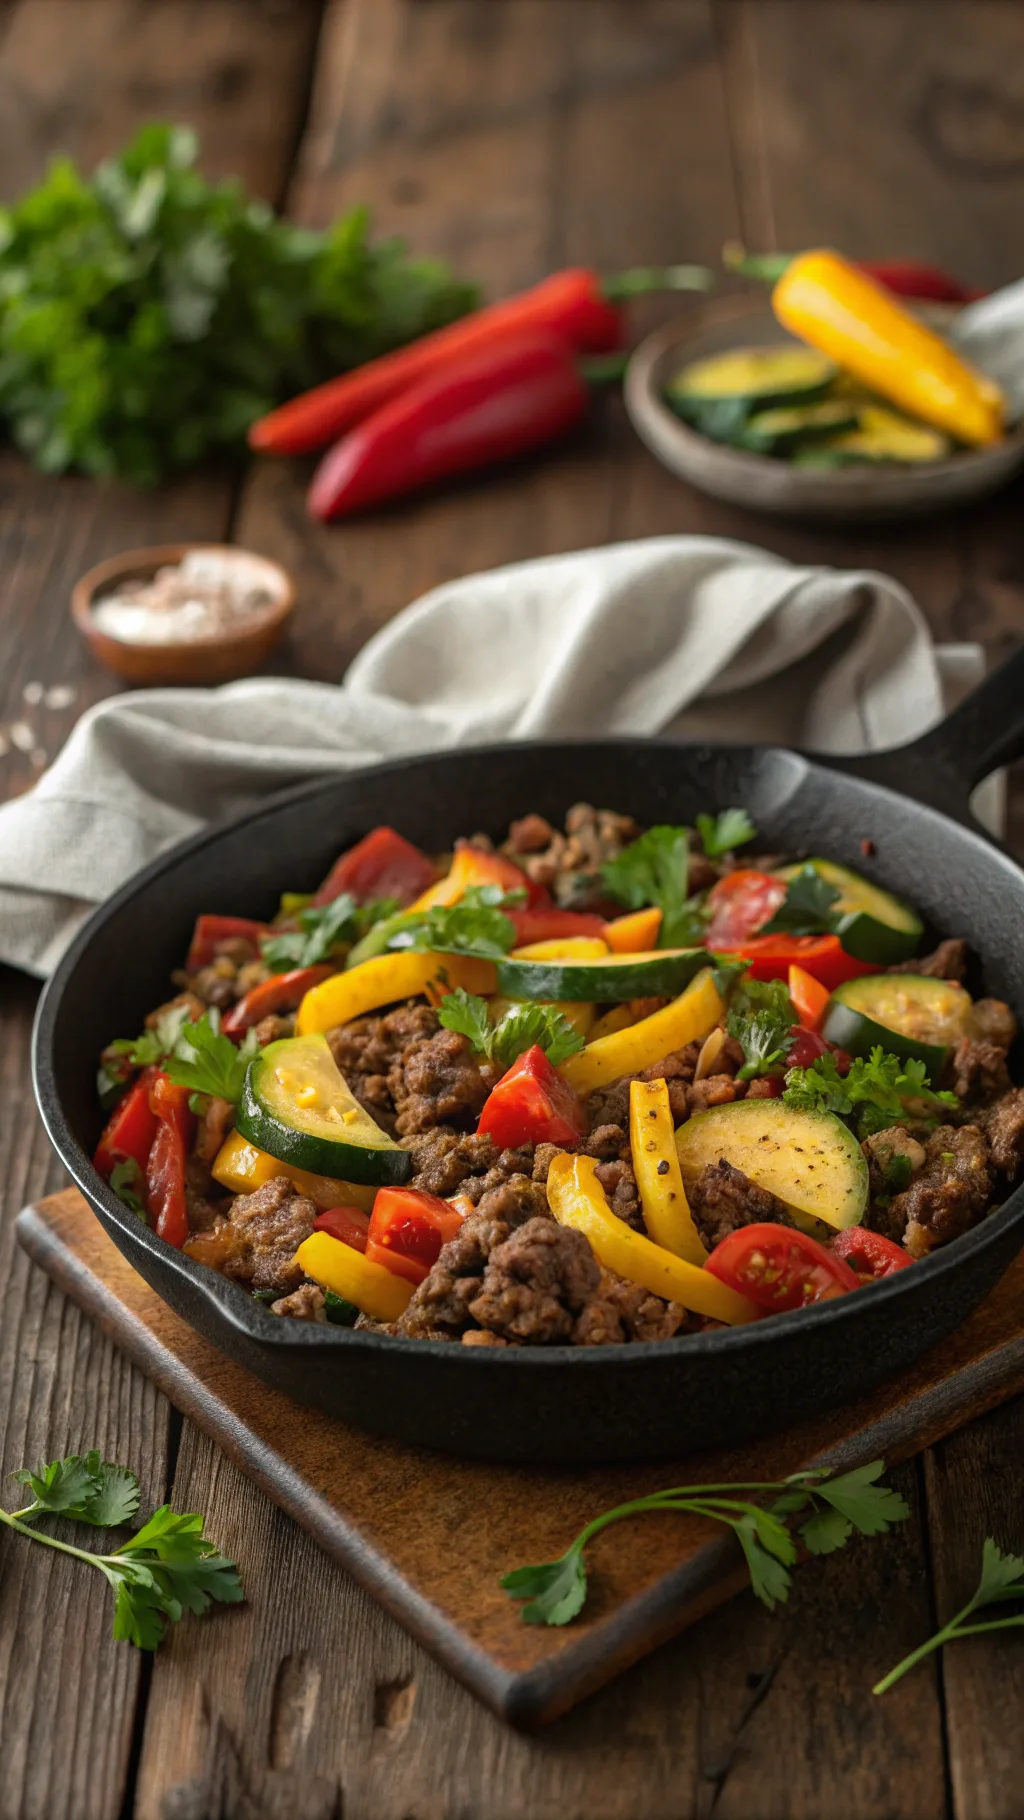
{"points": [[164, 1569], [323, 931], [1001, 1583], [875, 1094], [519, 1029], [724, 832], [831, 1507], [761, 1017], [655, 870]]}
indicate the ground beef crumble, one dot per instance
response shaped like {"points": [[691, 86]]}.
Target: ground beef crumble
{"points": [[948, 1195], [722, 1199], [264, 1232]]}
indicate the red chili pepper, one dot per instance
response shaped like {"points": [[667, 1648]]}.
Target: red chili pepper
{"points": [[408, 1229], [130, 1129], [531, 1104], [349, 1224], [822, 956], [165, 1167], [541, 925], [210, 930], [281, 992], [482, 408], [869, 1254], [577, 306], [382, 864], [904, 277]]}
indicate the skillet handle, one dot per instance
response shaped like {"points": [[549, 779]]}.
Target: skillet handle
{"points": [[944, 765]]}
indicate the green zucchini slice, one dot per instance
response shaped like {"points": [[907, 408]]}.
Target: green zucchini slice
{"points": [[909, 1014], [299, 1108], [876, 926], [610, 979], [881, 436], [718, 394], [778, 431], [810, 1160]]}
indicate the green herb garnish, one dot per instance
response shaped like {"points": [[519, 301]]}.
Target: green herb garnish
{"points": [[806, 908], [873, 1095], [834, 1507], [724, 832], [129, 1185], [145, 1051], [519, 1029], [761, 1017], [475, 925], [1001, 1582], [655, 870], [207, 1061], [166, 1568], [323, 932]]}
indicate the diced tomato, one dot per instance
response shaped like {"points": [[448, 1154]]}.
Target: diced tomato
{"points": [[407, 1230], [869, 1255], [211, 930], [281, 992], [130, 1129], [531, 1104], [543, 925], [349, 1224], [739, 904], [822, 956], [809, 996], [779, 1268], [383, 864], [165, 1167]]}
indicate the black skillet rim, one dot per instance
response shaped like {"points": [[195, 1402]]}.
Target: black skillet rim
{"points": [[237, 1308]]}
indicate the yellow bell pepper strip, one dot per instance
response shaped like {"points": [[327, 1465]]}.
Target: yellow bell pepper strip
{"points": [[619, 1017], [577, 1199], [563, 948], [686, 1019], [827, 302], [384, 980], [580, 1014], [380, 1293], [635, 933], [472, 866], [242, 1167], [652, 1139]]}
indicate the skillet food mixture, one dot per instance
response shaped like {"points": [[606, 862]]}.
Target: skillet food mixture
{"points": [[595, 1085]]}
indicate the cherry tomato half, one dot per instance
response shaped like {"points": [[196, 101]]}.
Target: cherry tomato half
{"points": [[779, 1268], [739, 904], [869, 1254]]}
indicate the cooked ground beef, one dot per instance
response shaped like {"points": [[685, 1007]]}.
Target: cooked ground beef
{"points": [[265, 1230], [946, 1197], [619, 1183], [723, 1198], [215, 1122], [609, 1106], [514, 1201], [621, 1311], [436, 1081], [993, 1022], [535, 1283], [443, 1160], [881, 1150], [947, 962], [570, 864], [1003, 1125], [979, 1072], [440, 1305], [367, 1050], [274, 1028], [205, 1203], [304, 1304]]}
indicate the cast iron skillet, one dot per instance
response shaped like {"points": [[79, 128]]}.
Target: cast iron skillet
{"points": [[562, 1404]]}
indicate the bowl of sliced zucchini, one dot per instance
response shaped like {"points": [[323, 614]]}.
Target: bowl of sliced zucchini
{"points": [[734, 405]]}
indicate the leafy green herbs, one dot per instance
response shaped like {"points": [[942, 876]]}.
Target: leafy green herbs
{"points": [[655, 870], [128, 1183], [875, 1094], [518, 1030], [166, 1568], [1001, 1583], [722, 833], [207, 1061], [145, 1051], [832, 1509], [323, 932], [148, 317], [806, 908], [761, 1018], [475, 925]]}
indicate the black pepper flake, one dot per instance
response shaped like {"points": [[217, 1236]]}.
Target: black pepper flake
{"points": [[663, 1166]]}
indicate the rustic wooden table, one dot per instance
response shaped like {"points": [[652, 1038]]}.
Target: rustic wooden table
{"points": [[512, 136]]}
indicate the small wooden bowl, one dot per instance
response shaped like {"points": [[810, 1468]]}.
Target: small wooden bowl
{"points": [[215, 658], [854, 495]]}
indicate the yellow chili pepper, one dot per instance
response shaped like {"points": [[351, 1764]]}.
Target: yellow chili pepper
{"points": [[380, 1293], [693, 1014], [577, 1199], [384, 980], [242, 1167], [659, 1178], [833, 306]]}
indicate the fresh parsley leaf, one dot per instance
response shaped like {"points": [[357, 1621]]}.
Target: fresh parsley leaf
{"points": [[761, 1017], [556, 1590], [825, 1531], [871, 1508], [722, 833], [62, 1486], [806, 908], [1001, 1581], [129, 1185], [467, 1013], [519, 1029], [323, 932], [149, 1049], [475, 925], [873, 1095], [207, 1061], [115, 1501], [769, 1579], [655, 870], [726, 975]]}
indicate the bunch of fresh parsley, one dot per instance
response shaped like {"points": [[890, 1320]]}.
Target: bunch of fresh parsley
{"points": [[324, 932], [148, 317], [880, 1090], [166, 1568], [832, 1508], [656, 870], [521, 1027]]}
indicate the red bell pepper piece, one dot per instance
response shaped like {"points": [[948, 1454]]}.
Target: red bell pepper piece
{"points": [[281, 992], [210, 930], [822, 956], [869, 1254], [482, 408], [577, 306], [349, 1224], [382, 864], [542, 925], [408, 1229], [165, 1167], [531, 1104], [130, 1129]]}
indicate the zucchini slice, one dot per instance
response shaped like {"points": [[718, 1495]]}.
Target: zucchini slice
{"points": [[602, 979], [718, 394], [810, 1160], [882, 436], [298, 1107], [785, 427], [909, 1014], [876, 926]]}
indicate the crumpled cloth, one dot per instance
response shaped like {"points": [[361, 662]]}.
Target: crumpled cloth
{"points": [[699, 637]]}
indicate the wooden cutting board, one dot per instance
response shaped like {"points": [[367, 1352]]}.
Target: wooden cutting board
{"points": [[430, 1537]]}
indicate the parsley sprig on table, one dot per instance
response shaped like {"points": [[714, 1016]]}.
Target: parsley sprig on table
{"points": [[1001, 1583], [519, 1029], [323, 930], [832, 1508], [880, 1090], [166, 1568]]}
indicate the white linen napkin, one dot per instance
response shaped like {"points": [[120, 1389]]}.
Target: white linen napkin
{"points": [[699, 637]]}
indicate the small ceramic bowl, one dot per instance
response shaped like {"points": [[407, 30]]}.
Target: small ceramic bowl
{"points": [[212, 658], [855, 495]]}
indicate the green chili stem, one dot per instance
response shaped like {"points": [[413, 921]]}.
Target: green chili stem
{"points": [[645, 278]]}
